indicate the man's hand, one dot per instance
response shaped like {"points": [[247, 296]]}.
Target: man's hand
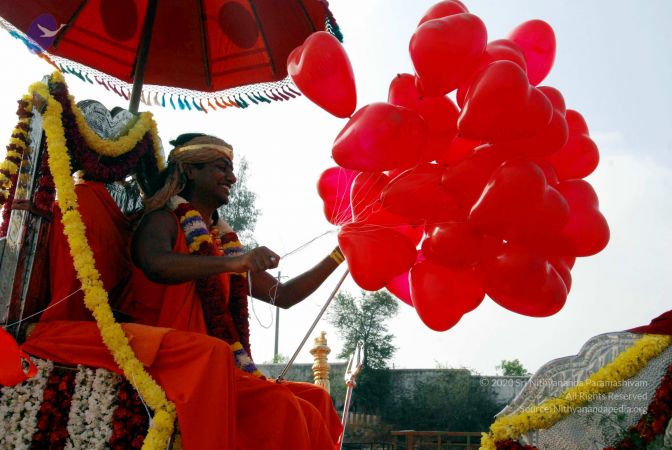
{"points": [[260, 259]]}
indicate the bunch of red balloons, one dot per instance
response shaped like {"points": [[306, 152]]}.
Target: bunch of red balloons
{"points": [[443, 202]]}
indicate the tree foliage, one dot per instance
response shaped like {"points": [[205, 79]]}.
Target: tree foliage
{"points": [[453, 400], [362, 321], [512, 367], [241, 212]]}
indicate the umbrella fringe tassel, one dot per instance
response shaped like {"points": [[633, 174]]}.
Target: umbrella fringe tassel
{"points": [[176, 101]]}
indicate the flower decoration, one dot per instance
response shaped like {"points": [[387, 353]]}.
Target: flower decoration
{"points": [[608, 378], [95, 296]]}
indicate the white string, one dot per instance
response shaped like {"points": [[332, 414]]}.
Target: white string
{"points": [[302, 246], [273, 290], [40, 312], [135, 385], [254, 311]]}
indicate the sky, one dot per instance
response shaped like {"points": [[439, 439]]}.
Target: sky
{"points": [[613, 65]]}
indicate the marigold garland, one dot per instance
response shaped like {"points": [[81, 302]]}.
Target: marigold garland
{"points": [[542, 416], [9, 168], [95, 296], [17, 145]]}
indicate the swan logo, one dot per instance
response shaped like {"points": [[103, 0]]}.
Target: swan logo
{"points": [[44, 29]]}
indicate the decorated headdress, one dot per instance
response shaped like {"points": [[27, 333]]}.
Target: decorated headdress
{"points": [[189, 148]]}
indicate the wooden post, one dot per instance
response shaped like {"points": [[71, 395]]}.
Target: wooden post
{"points": [[321, 366]]}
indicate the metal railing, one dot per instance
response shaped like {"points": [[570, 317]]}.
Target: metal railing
{"points": [[435, 440], [367, 446]]}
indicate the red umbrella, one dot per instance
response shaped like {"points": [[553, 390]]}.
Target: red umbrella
{"points": [[193, 47]]}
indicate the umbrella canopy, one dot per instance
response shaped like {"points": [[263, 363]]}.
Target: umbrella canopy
{"points": [[196, 47]]}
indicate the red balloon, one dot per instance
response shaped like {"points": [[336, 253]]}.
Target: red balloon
{"points": [[379, 137], [537, 41], [417, 194], [561, 265], [457, 150], [375, 256], [365, 194], [445, 51], [442, 295], [413, 233], [321, 69], [555, 96], [454, 244], [467, 178], [548, 141], [524, 282], [579, 157], [518, 203], [400, 286], [587, 231], [549, 171], [334, 187], [11, 361], [499, 50], [576, 122], [440, 113], [502, 105], [444, 9]]}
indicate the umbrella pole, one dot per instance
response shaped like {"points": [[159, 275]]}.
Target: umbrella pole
{"points": [[141, 57]]}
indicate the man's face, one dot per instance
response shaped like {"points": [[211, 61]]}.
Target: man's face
{"points": [[214, 178]]}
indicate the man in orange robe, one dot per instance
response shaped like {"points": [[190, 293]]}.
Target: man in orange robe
{"points": [[167, 294]]}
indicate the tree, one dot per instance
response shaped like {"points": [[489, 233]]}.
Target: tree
{"points": [[241, 212], [512, 368], [361, 322], [452, 400]]}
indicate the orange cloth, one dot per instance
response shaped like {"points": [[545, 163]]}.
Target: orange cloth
{"points": [[184, 364], [270, 416], [218, 406], [108, 232]]}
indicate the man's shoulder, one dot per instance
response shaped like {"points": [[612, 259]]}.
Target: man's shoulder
{"points": [[159, 220]]}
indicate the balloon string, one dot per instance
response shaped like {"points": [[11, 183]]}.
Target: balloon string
{"points": [[43, 310], [303, 246], [273, 290]]}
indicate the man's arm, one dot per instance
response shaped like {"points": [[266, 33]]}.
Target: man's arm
{"points": [[152, 251], [295, 290]]}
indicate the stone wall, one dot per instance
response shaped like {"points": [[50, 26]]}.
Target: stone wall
{"points": [[504, 388]]}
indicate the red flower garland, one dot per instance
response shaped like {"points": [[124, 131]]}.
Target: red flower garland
{"points": [[217, 317], [45, 194], [98, 167], [52, 418], [129, 420], [238, 293], [654, 421], [229, 324]]}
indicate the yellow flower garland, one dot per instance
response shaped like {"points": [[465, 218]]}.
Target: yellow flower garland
{"points": [[8, 165], [121, 145], [608, 378], [95, 296]]}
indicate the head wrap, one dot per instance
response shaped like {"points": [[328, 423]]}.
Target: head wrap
{"points": [[195, 151]]}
